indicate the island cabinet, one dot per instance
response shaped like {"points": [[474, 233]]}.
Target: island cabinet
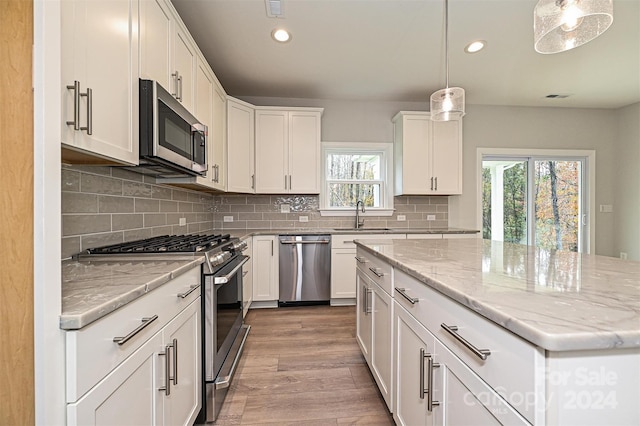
{"points": [[374, 316], [140, 364], [99, 70], [428, 155], [288, 150], [240, 146]]}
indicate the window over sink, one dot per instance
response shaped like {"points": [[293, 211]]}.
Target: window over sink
{"points": [[355, 172]]}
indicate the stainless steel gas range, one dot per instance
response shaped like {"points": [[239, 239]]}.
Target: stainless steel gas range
{"points": [[223, 330]]}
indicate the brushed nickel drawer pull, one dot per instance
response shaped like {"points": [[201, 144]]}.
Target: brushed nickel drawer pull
{"points": [[453, 329], [145, 322], [76, 105], [403, 293], [361, 259], [192, 288], [377, 272]]}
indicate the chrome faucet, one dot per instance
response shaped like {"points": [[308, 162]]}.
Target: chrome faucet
{"points": [[358, 222]]}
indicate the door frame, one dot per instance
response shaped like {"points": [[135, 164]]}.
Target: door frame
{"points": [[589, 181]]}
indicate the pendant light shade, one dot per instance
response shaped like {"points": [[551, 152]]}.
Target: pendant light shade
{"points": [[448, 103], [560, 25]]}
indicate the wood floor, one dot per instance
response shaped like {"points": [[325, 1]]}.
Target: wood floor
{"points": [[302, 366]]}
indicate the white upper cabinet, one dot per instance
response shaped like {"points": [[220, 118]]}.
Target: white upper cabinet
{"points": [[428, 155], [288, 150], [218, 139], [184, 66], [240, 146], [100, 78]]}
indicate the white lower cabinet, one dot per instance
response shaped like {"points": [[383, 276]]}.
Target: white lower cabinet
{"points": [[265, 271], [247, 279], [154, 376]]}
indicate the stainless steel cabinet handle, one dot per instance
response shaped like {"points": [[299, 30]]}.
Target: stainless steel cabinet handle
{"points": [[290, 184], [430, 366], [432, 183], [192, 288], [225, 279], [145, 322], [377, 272], [369, 292], [167, 371], [180, 87], [285, 181], [306, 242], [361, 259], [76, 105], [175, 362], [89, 96], [403, 293], [253, 181], [175, 84], [452, 330], [436, 188]]}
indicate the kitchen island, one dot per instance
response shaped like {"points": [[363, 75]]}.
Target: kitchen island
{"points": [[559, 331]]}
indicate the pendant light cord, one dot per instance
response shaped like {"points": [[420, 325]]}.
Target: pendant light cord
{"points": [[446, 40]]}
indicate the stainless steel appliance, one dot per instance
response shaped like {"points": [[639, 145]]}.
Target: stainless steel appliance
{"points": [[173, 142], [305, 269], [223, 331]]}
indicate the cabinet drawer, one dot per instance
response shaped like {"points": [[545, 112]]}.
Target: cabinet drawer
{"points": [[378, 270], [91, 352], [510, 368]]}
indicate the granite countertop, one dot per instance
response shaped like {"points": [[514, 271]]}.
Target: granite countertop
{"points": [[245, 233], [93, 289], [557, 300]]}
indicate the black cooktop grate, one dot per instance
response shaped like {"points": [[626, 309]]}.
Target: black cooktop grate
{"points": [[165, 244]]}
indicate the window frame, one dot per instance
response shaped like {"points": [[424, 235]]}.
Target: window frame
{"points": [[386, 177]]}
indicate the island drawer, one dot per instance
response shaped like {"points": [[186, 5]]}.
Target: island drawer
{"points": [[91, 352], [512, 364], [375, 268]]}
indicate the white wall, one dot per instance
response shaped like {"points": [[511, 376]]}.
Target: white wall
{"points": [[627, 183], [492, 126]]}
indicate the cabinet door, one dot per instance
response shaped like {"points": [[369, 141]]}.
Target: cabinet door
{"points": [[265, 268], [381, 341], [204, 107], [304, 152], [103, 58], [183, 403], [363, 314], [247, 279], [240, 137], [218, 139], [155, 41], [129, 395], [184, 59], [343, 273], [411, 340], [446, 155], [272, 134], [413, 169]]}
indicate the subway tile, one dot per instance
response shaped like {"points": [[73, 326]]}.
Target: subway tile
{"points": [[406, 208], [161, 230], [149, 179], [217, 224], [100, 184], [444, 208], [78, 202], [96, 170], [114, 204], [250, 216], [418, 224], [154, 219], [70, 180], [204, 217], [233, 199], [198, 207], [99, 240], [193, 228], [70, 246], [238, 224], [120, 222], [185, 207], [394, 224], [400, 200], [259, 199], [137, 234], [146, 205], [242, 208], [267, 208], [256, 224], [275, 216], [74, 224], [161, 192], [439, 200], [439, 224], [418, 199], [179, 230], [427, 208], [180, 195], [125, 174], [136, 189], [168, 206]]}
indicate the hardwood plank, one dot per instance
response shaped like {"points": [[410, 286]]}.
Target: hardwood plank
{"points": [[302, 347], [326, 360], [294, 381], [315, 332], [371, 420], [362, 376], [252, 364]]}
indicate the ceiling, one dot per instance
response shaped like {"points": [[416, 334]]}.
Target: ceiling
{"points": [[393, 50]]}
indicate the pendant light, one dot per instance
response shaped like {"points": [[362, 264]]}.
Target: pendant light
{"points": [[447, 103], [561, 25]]}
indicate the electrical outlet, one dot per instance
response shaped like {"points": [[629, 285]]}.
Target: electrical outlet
{"points": [[182, 221], [303, 218], [431, 217], [623, 255], [401, 218], [227, 219], [285, 208], [606, 208]]}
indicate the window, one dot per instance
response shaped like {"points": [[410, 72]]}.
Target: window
{"points": [[539, 200], [353, 174]]}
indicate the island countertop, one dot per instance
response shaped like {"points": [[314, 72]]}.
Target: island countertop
{"points": [[557, 300]]}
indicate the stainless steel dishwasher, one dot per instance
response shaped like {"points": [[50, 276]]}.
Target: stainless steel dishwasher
{"points": [[305, 269]]}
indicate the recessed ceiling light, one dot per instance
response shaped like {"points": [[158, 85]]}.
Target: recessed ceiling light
{"points": [[281, 35], [475, 46]]}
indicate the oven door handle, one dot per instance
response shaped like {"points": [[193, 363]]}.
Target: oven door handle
{"points": [[225, 278]]}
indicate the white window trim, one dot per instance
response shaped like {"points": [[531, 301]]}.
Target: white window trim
{"points": [[387, 164], [590, 179]]}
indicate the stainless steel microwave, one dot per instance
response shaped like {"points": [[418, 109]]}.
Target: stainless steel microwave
{"points": [[172, 141]]}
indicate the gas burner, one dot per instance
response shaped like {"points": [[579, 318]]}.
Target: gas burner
{"points": [[165, 244]]}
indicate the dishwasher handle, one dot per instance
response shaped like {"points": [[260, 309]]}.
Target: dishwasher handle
{"points": [[305, 242]]}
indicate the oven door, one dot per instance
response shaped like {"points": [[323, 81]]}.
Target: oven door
{"points": [[222, 314]]}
